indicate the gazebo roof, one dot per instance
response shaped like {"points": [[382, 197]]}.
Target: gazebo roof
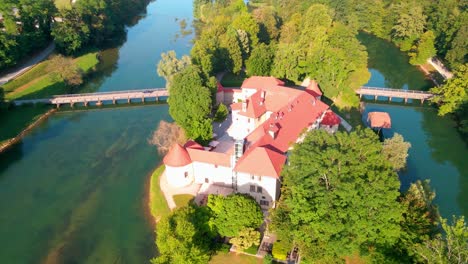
{"points": [[379, 120]]}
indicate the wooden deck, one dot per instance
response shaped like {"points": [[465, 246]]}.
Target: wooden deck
{"points": [[99, 98], [394, 93]]}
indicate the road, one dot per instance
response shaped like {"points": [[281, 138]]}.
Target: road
{"points": [[27, 65]]}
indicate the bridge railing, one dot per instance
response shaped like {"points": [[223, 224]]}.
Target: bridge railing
{"points": [[395, 90], [109, 93]]}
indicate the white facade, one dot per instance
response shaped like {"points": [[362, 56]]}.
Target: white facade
{"points": [[265, 189], [180, 176]]}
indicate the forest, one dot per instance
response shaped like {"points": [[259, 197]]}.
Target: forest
{"points": [[26, 26]]}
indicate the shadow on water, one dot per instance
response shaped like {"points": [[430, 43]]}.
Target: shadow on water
{"points": [[389, 65]]}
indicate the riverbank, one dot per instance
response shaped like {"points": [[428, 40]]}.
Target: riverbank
{"points": [[157, 202]]}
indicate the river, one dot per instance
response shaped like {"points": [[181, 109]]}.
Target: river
{"points": [[73, 191]]}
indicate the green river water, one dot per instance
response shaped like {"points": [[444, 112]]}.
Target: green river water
{"points": [[74, 190]]}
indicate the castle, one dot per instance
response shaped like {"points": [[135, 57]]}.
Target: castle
{"points": [[266, 119]]}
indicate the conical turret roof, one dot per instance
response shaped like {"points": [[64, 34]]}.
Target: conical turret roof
{"points": [[177, 157]]}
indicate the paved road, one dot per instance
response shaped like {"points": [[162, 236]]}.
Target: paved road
{"points": [[27, 65]]}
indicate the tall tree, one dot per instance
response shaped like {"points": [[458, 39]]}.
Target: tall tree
{"points": [[260, 61], [180, 238], [169, 65], [234, 213], [424, 50], [454, 93], [327, 205], [190, 103], [395, 150]]}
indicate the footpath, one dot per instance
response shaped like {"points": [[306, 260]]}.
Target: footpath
{"points": [[28, 64]]}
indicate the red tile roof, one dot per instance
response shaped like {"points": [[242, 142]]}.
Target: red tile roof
{"points": [[255, 105], [330, 119], [193, 145], [177, 157], [379, 119], [262, 162], [210, 157], [313, 86]]}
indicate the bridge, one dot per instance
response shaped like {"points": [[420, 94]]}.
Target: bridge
{"points": [[99, 98], [394, 93]]}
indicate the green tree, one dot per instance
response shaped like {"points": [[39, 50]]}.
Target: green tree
{"points": [[169, 65], [66, 70], [190, 103], [180, 238], [454, 93], [246, 238], [420, 217], [424, 50], [259, 63], [268, 23], [234, 59], [234, 213], [458, 53], [448, 249], [72, 33], [410, 24], [245, 22], [221, 113], [395, 150], [326, 203]]}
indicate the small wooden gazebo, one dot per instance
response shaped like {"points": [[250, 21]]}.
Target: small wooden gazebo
{"points": [[379, 120]]}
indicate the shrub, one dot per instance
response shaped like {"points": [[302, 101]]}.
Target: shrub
{"points": [[221, 113], [280, 249]]}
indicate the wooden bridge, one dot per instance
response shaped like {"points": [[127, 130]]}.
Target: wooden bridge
{"points": [[99, 98], [394, 93]]}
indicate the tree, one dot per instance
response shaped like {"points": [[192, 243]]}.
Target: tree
{"points": [[234, 60], [66, 70], [245, 22], [190, 103], [458, 54], [410, 24], [169, 65], [180, 238], [72, 33], [451, 248], [424, 50], [166, 135], [454, 93], [234, 213], [246, 238], [268, 23], [221, 113], [395, 150], [259, 63], [420, 217], [339, 196]]}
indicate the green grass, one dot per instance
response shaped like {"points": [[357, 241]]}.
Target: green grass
{"points": [[157, 202], [37, 71], [233, 258], [232, 80], [40, 83], [182, 200], [252, 250], [14, 120]]}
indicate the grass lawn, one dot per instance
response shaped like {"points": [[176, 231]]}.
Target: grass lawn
{"points": [[157, 202], [182, 200], [252, 250], [232, 80], [14, 120], [39, 83], [233, 258]]}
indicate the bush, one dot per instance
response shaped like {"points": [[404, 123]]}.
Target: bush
{"points": [[280, 249], [268, 259], [225, 248], [221, 113]]}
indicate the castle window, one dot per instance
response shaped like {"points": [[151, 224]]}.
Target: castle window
{"points": [[186, 174], [264, 203], [216, 166], [259, 189], [252, 188], [206, 180]]}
